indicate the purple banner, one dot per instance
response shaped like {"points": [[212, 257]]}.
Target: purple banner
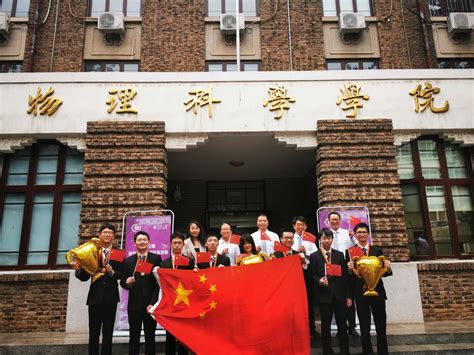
{"points": [[159, 229], [350, 216]]}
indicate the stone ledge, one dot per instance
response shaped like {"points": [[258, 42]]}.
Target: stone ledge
{"points": [[446, 265], [27, 276]]}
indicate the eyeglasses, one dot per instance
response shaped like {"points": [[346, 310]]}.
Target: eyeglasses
{"points": [[107, 233], [362, 232]]}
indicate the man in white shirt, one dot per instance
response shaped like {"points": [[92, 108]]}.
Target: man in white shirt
{"points": [[343, 240], [225, 247], [307, 245], [263, 238]]}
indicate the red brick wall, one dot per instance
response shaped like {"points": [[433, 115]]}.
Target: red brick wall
{"points": [[68, 49], [356, 166], [125, 169], [35, 302], [447, 290]]}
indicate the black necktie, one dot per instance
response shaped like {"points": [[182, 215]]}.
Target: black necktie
{"points": [[328, 256], [106, 254], [213, 259], [142, 257], [364, 251]]}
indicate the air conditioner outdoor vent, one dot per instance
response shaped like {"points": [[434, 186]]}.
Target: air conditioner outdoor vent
{"points": [[460, 22], [111, 22], [229, 23], [351, 22], [4, 25]]}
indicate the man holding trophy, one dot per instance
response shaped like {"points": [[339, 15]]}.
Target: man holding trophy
{"points": [[367, 265], [94, 256]]}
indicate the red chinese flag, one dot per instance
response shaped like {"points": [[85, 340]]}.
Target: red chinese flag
{"points": [[333, 270], [196, 306], [143, 266], [280, 247], [235, 239], [309, 237], [117, 255], [264, 236], [355, 251], [354, 220], [203, 257], [181, 260]]}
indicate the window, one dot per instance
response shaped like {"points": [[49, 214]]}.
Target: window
{"points": [[444, 7], [235, 196], [437, 182], [456, 63], [40, 201], [352, 64], [15, 8], [334, 7], [111, 66], [130, 8], [232, 66], [247, 7], [10, 67]]}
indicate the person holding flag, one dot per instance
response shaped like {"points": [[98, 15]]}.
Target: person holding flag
{"points": [[246, 247], [264, 239], [143, 291], [228, 244], [103, 293], [212, 258], [344, 239], [284, 247], [368, 304], [305, 242], [329, 271], [177, 261]]}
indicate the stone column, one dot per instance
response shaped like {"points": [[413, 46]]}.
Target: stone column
{"points": [[125, 168], [356, 166]]}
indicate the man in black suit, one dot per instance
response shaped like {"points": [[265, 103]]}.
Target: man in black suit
{"points": [[103, 294], [217, 260], [287, 238], [367, 304], [329, 271], [177, 244], [143, 293]]}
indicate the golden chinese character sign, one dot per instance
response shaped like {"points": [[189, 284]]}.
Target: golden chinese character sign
{"points": [[424, 97], [201, 98], [352, 98], [279, 100], [44, 104], [123, 98]]}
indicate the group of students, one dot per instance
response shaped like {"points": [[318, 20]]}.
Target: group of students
{"points": [[335, 294]]}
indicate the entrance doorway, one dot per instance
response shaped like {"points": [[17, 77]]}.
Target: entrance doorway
{"points": [[233, 178]]}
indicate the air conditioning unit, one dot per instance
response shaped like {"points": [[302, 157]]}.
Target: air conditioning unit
{"points": [[111, 22], [4, 24], [229, 23], [351, 22], [460, 22]]}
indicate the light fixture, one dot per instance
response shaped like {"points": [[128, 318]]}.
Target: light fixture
{"points": [[236, 163]]}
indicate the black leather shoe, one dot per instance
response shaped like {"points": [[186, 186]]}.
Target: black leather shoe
{"points": [[352, 332]]}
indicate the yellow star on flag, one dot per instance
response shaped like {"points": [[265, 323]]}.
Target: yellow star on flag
{"points": [[213, 304], [213, 288], [202, 278], [202, 315], [181, 295]]}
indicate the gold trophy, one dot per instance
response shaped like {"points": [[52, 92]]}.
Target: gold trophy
{"points": [[371, 269], [252, 259], [87, 255]]}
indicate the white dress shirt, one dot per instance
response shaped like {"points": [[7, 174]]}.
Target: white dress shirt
{"points": [[233, 251], [310, 247], [342, 240], [267, 245]]}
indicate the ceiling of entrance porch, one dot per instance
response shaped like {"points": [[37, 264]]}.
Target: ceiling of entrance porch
{"points": [[263, 158]]}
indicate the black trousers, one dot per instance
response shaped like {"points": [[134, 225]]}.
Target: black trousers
{"points": [[172, 343], [135, 319], [310, 289], [327, 310], [351, 316], [101, 316], [377, 308]]}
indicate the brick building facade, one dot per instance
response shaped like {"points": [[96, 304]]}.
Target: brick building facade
{"points": [[127, 159]]}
